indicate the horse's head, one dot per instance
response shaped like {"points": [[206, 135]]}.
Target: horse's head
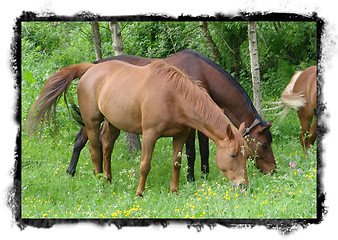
{"points": [[231, 156], [260, 144]]}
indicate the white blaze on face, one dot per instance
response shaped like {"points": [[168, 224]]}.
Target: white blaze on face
{"points": [[243, 151]]}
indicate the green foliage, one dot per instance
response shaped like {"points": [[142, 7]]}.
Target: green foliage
{"points": [[159, 39], [284, 47]]}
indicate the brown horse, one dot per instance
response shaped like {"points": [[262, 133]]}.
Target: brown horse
{"points": [[301, 95], [228, 95], [156, 100]]}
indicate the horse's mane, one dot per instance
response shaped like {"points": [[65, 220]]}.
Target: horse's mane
{"points": [[243, 93], [192, 91]]}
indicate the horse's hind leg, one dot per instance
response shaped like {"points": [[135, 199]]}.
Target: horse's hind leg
{"points": [[178, 143], [313, 132], [110, 134], [81, 139], [93, 131], [305, 115]]}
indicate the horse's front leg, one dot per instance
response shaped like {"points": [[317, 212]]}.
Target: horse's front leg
{"points": [[178, 143], [204, 151], [148, 143], [191, 153]]}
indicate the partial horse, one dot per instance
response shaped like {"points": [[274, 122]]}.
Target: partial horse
{"points": [[301, 94]]}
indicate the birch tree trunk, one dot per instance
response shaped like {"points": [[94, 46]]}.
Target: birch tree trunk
{"points": [[117, 39], [133, 140], [256, 82], [96, 39]]}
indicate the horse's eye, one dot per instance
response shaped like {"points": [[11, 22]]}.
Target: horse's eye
{"points": [[264, 146], [233, 155]]}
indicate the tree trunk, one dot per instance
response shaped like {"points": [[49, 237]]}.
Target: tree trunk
{"points": [[116, 36], [209, 41], [133, 140], [256, 82], [96, 39]]}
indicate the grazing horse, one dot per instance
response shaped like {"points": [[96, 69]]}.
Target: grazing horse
{"points": [[301, 95], [228, 95], [156, 100]]}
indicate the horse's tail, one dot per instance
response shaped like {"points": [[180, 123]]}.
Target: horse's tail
{"points": [[289, 100], [56, 85], [293, 100], [77, 114]]}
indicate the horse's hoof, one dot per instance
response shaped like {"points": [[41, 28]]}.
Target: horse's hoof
{"points": [[205, 176], [175, 192], [190, 179], [71, 172]]}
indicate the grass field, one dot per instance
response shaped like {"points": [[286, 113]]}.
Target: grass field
{"points": [[48, 192]]}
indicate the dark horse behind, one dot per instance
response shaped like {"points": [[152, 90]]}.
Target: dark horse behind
{"points": [[227, 93]]}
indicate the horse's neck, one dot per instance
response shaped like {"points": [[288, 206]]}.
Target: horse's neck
{"points": [[239, 115], [214, 127], [243, 112], [237, 105]]}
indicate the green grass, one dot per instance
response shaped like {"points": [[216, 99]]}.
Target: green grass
{"points": [[48, 192]]}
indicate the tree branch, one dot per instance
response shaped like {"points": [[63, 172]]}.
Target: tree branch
{"points": [[209, 41], [96, 39], [226, 43]]}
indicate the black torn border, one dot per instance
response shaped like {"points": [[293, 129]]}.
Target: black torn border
{"points": [[284, 226]]}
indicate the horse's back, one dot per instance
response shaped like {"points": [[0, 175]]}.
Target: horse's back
{"points": [[120, 95], [290, 86], [186, 61], [307, 84], [129, 96], [135, 60]]}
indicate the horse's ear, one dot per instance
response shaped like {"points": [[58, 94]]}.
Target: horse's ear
{"points": [[267, 127], [241, 128], [228, 131]]}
